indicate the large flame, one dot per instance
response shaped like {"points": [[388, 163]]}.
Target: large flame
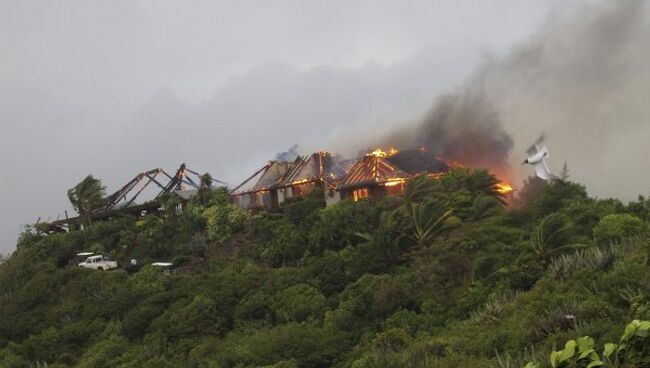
{"points": [[504, 188], [380, 153]]}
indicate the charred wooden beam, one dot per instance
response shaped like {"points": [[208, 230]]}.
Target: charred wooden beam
{"points": [[251, 177]]}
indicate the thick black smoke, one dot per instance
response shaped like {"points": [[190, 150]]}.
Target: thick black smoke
{"points": [[462, 127], [465, 128]]}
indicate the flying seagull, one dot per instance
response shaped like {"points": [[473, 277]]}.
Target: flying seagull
{"points": [[537, 155]]}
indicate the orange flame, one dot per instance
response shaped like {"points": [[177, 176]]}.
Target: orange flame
{"points": [[380, 153], [504, 188], [377, 153], [393, 182]]}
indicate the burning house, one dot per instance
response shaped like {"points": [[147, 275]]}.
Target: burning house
{"points": [[374, 175], [279, 180], [380, 173]]}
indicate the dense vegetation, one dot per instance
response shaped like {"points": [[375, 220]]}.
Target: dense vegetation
{"points": [[444, 276]]}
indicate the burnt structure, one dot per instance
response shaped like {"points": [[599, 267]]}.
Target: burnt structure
{"points": [[262, 192], [378, 174], [374, 175], [279, 180], [185, 183]]}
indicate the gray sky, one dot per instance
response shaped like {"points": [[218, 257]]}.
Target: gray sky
{"points": [[113, 88]]}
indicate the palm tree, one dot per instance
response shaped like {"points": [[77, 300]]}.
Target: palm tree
{"points": [[429, 219], [86, 197], [551, 237], [386, 238], [205, 188], [476, 182], [420, 187], [425, 207], [485, 206]]}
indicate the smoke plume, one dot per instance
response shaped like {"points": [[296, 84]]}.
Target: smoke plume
{"points": [[584, 79], [465, 128], [288, 155]]}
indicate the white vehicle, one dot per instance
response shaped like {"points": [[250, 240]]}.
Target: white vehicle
{"points": [[98, 263], [162, 264]]}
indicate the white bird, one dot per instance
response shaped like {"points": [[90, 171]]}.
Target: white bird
{"points": [[537, 155]]}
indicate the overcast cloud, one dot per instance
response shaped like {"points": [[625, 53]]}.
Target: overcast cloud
{"points": [[116, 87]]}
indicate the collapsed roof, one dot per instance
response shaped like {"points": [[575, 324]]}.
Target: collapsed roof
{"points": [[416, 162], [318, 166], [270, 177], [264, 178], [321, 166], [374, 169]]}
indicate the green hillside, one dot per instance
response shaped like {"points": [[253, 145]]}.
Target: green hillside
{"points": [[444, 276]]}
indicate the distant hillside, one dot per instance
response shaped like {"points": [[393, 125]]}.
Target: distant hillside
{"points": [[450, 274]]}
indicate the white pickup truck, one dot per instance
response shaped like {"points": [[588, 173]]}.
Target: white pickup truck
{"points": [[98, 263]]}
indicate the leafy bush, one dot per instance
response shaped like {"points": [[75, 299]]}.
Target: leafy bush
{"points": [[615, 227], [224, 220], [285, 244], [304, 210], [298, 303], [629, 351], [336, 226]]}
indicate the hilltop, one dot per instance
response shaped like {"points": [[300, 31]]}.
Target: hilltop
{"points": [[449, 274]]}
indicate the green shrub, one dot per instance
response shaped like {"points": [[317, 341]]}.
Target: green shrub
{"points": [[629, 351], [304, 210], [224, 220], [298, 303], [285, 244], [615, 227]]}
